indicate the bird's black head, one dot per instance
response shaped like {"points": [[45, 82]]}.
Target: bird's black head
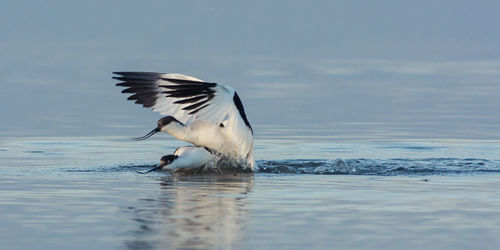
{"points": [[166, 120], [167, 159]]}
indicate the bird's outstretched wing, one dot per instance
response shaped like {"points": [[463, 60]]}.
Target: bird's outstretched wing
{"points": [[188, 99]]}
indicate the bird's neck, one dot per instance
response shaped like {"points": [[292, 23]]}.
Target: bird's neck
{"points": [[178, 130]]}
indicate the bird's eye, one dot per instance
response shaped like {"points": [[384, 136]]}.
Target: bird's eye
{"points": [[221, 125]]}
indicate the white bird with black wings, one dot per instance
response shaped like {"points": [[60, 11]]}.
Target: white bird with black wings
{"points": [[208, 115]]}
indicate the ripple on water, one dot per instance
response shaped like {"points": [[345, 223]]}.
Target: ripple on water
{"points": [[360, 166], [383, 167]]}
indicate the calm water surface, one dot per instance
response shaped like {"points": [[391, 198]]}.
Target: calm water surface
{"points": [[83, 193]]}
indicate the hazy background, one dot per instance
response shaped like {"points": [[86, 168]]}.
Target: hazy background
{"points": [[365, 69]]}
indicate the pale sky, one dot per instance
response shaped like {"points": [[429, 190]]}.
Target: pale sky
{"points": [[411, 69]]}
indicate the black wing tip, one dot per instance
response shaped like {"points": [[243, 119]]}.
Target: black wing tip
{"points": [[189, 82], [241, 109], [125, 73], [135, 75], [119, 78]]}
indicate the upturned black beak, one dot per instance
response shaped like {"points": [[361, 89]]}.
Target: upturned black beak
{"points": [[160, 166], [154, 131], [165, 160]]}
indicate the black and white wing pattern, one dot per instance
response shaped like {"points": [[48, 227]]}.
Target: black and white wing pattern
{"points": [[188, 99]]}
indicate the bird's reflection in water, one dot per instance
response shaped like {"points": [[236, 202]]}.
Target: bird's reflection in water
{"points": [[193, 212]]}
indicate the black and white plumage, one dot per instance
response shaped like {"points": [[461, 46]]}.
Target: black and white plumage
{"points": [[186, 157], [209, 115]]}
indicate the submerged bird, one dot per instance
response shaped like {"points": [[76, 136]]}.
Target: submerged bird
{"points": [[208, 115], [185, 157]]}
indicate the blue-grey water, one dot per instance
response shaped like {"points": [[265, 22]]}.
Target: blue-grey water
{"points": [[334, 90], [84, 193]]}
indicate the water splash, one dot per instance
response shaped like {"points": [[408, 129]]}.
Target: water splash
{"points": [[360, 166], [337, 166], [387, 167]]}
